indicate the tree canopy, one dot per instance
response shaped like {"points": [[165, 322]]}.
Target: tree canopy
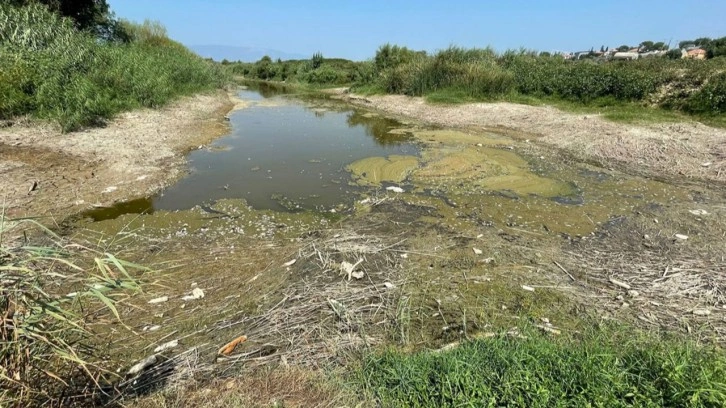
{"points": [[89, 15]]}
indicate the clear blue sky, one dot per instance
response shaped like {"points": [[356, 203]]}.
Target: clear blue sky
{"points": [[355, 28]]}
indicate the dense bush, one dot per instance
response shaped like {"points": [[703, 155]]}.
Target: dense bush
{"points": [[692, 86], [51, 70], [317, 70]]}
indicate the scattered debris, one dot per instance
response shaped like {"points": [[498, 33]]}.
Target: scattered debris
{"points": [[347, 268], [228, 348], [166, 346], [619, 283], [701, 312], [158, 300], [152, 328], [358, 275], [289, 263], [528, 288], [389, 285], [395, 189], [698, 212], [110, 189], [706, 164], [33, 187], [477, 251], [681, 237], [548, 329], [196, 294], [141, 365]]}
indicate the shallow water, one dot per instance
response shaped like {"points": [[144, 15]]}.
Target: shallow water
{"points": [[284, 154]]}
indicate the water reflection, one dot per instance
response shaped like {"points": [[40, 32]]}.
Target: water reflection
{"points": [[285, 154], [378, 128]]}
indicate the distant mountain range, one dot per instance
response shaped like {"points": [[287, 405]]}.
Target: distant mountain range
{"points": [[244, 54]]}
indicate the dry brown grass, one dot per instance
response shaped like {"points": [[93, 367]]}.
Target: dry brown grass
{"points": [[289, 387], [639, 270]]}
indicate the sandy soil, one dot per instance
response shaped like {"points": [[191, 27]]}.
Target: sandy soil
{"points": [[689, 149], [135, 155]]}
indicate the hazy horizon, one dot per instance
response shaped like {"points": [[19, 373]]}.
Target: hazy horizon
{"points": [[355, 30]]}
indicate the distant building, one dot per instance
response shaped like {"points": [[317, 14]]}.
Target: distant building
{"points": [[696, 53], [626, 55]]}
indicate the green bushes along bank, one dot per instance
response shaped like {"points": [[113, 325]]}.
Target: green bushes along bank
{"points": [[689, 86], [49, 69]]}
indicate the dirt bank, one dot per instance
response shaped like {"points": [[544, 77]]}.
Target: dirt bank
{"points": [[135, 155], [689, 149]]}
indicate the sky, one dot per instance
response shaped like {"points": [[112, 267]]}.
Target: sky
{"points": [[354, 29]]}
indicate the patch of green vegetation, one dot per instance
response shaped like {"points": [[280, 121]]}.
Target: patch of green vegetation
{"points": [[51, 291], [608, 367], [51, 70], [451, 97], [645, 90]]}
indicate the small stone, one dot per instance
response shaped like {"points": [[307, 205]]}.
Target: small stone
{"points": [[528, 288], [706, 164], [477, 251], [698, 212], [395, 189], [633, 293], [358, 275], [389, 285], [158, 300], [681, 237], [701, 312]]}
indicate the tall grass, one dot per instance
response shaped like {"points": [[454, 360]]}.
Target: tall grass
{"points": [[601, 370], [695, 87], [52, 71], [46, 295]]}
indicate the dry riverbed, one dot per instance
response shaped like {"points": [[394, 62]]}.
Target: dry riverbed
{"points": [[481, 235]]}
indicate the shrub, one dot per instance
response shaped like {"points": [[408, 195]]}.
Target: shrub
{"points": [[45, 294], [52, 71], [711, 98]]}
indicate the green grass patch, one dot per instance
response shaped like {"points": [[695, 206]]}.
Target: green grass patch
{"points": [[451, 97], [606, 368]]}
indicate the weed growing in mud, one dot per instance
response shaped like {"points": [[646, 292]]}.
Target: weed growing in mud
{"points": [[46, 297], [50, 70], [603, 368]]}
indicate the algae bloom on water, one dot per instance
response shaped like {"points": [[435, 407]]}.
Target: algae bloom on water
{"points": [[371, 171]]}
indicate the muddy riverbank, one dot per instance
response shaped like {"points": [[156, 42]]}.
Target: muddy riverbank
{"points": [[679, 150], [44, 172]]}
